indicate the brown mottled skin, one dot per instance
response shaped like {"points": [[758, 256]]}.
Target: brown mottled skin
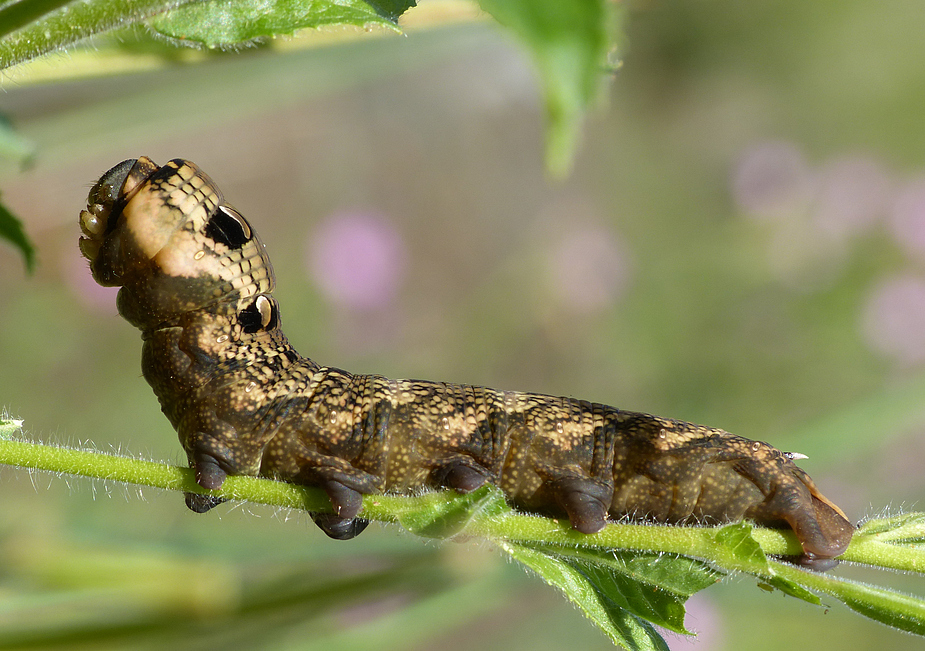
{"points": [[197, 281]]}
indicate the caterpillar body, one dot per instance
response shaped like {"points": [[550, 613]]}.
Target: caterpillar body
{"points": [[196, 280]]}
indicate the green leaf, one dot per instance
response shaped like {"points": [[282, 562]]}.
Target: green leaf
{"points": [[9, 426], [232, 22], [651, 586], [391, 9], [30, 28], [442, 515], [900, 611], [570, 42], [676, 574], [600, 606], [19, 13], [737, 548], [12, 231], [793, 589]]}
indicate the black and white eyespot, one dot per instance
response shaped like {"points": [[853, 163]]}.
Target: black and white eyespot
{"points": [[261, 314], [229, 227]]}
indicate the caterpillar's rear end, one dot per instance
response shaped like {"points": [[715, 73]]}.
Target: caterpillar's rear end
{"points": [[197, 281]]}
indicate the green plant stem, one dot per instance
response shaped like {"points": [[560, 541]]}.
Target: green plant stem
{"points": [[699, 542], [88, 463], [905, 558]]}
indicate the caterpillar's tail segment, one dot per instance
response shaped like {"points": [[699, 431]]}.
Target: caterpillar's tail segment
{"points": [[824, 534], [821, 527], [827, 540]]}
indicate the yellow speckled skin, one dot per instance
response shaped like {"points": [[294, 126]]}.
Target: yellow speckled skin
{"points": [[197, 281]]}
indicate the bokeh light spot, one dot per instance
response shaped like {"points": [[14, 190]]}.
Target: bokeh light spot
{"points": [[589, 269], [907, 221], [853, 194], [772, 179], [357, 259], [894, 319]]}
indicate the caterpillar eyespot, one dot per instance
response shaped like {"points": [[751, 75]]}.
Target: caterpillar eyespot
{"points": [[257, 316], [228, 227], [196, 279]]}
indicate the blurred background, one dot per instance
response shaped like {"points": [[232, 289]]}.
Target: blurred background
{"points": [[741, 244]]}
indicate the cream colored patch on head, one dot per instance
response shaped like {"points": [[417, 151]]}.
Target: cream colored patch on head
{"points": [[150, 222], [183, 257], [157, 230]]}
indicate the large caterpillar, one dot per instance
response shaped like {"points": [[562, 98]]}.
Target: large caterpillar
{"points": [[197, 281]]}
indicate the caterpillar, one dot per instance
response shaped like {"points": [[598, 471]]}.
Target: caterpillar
{"points": [[197, 281]]}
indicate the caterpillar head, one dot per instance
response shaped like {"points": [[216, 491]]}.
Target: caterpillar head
{"points": [[168, 239]]}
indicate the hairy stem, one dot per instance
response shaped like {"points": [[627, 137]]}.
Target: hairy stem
{"points": [[700, 542]]}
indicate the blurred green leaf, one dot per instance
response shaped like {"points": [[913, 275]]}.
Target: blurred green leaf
{"points": [[12, 231], [570, 43], [13, 146], [231, 22], [144, 597], [904, 612]]}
